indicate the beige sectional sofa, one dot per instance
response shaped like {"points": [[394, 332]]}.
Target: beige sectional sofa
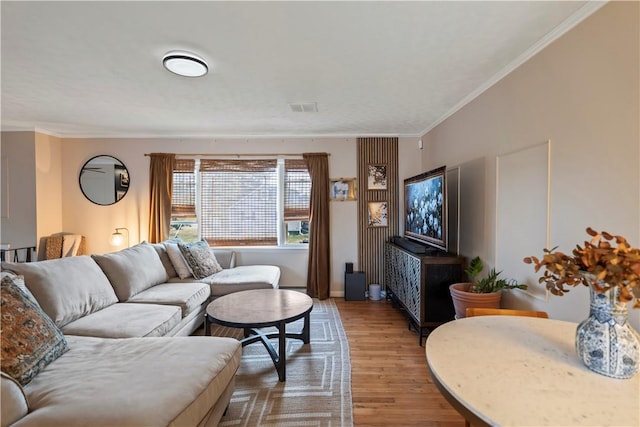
{"points": [[180, 381], [116, 312]]}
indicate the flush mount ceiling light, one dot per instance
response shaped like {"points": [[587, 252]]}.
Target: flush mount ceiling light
{"points": [[185, 64]]}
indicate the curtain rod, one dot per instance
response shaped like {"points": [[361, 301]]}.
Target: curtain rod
{"points": [[236, 155]]}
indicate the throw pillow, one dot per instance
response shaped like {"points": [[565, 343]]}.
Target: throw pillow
{"points": [[200, 259], [177, 259], [30, 339], [164, 258], [18, 280]]}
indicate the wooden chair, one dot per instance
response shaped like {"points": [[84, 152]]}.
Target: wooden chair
{"points": [[476, 311]]}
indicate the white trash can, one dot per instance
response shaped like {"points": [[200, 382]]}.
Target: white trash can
{"points": [[374, 292]]}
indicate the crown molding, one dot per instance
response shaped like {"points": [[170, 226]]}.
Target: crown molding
{"points": [[213, 136]]}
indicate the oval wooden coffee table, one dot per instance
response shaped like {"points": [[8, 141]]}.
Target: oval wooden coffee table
{"points": [[262, 308]]}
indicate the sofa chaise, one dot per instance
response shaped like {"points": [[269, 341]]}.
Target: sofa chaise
{"points": [[125, 317]]}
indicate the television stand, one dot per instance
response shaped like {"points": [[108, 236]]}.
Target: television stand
{"points": [[419, 283]]}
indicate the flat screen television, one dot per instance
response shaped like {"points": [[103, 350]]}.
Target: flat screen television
{"points": [[425, 208]]}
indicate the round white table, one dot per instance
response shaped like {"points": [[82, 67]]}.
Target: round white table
{"points": [[523, 371]]}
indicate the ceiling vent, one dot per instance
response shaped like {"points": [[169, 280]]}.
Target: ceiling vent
{"points": [[304, 107]]}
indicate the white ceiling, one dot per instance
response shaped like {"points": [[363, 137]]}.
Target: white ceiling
{"points": [[94, 69]]}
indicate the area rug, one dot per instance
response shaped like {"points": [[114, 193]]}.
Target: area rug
{"points": [[317, 391]]}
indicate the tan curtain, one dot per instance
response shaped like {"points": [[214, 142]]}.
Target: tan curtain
{"points": [[319, 269], [160, 191]]}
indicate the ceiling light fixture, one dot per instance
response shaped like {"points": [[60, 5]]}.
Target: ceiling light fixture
{"points": [[185, 64]]}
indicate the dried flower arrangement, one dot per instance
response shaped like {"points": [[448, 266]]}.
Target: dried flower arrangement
{"points": [[613, 266]]}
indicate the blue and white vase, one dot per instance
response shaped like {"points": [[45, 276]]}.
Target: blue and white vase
{"points": [[605, 341]]}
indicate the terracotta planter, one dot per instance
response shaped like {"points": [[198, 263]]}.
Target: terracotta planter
{"points": [[463, 299]]}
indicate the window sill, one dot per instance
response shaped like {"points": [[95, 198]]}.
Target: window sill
{"points": [[265, 248]]}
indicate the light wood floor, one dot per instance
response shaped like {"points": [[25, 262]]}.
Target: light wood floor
{"points": [[390, 384]]}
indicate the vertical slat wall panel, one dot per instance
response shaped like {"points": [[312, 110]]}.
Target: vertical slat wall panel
{"points": [[371, 239]]}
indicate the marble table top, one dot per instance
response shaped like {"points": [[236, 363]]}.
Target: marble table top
{"points": [[524, 371], [259, 308]]}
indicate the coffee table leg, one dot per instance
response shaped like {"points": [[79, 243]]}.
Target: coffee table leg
{"points": [[207, 326], [305, 329], [281, 363]]}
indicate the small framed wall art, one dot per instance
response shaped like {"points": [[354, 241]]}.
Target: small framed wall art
{"points": [[342, 189], [124, 178], [377, 212], [377, 177]]}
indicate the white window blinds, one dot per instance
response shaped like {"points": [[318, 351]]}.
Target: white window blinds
{"points": [[297, 189]]}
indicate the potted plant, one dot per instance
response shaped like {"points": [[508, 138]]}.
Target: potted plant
{"points": [[485, 292], [605, 341]]}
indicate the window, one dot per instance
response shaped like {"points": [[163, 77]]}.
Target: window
{"points": [[232, 202], [184, 221], [297, 189], [239, 202]]}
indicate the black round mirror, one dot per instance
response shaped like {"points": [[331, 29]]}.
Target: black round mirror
{"points": [[104, 180]]}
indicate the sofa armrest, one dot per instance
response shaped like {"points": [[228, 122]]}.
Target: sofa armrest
{"points": [[226, 258]]}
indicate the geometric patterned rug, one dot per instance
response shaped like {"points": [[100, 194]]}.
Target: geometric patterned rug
{"points": [[317, 391]]}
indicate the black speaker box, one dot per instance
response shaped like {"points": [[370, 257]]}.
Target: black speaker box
{"points": [[355, 286], [348, 267]]}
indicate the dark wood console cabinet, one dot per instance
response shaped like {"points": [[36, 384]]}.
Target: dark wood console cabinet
{"points": [[419, 283]]}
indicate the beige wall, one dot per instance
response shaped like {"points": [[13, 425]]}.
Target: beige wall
{"points": [[48, 187], [581, 92]]}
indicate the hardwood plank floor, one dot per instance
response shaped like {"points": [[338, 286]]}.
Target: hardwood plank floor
{"points": [[390, 383]]}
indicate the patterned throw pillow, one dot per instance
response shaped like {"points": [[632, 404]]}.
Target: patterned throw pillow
{"points": [[18, 280], [200, 258], [30, 339]]}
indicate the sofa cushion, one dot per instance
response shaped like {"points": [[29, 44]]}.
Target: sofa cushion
{"points": [[30, 339], [66, 288], [164, 258], [14, 402], [132, 270], [133, 382], [188, 296], [242, 278], [200, 258], [126, 320], [178, 261], [225, 257]]}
